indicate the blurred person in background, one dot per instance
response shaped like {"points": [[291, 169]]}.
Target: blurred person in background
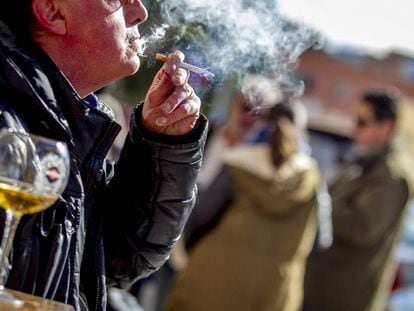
{"points": [[368, 201], [254, 258], [113, 224], [241, 124], [244, 124], [210, 208]]}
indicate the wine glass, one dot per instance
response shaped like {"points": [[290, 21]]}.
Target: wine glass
{"points": [[33, 173]]}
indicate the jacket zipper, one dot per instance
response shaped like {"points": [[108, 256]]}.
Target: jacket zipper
{"points": [[109, 135]]}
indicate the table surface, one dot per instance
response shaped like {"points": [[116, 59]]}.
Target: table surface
{"points": [[33, 303]]}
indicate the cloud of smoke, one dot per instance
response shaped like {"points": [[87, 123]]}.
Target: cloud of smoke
{"points": [[235, 37]]}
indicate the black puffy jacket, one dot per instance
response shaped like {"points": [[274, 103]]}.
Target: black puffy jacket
{"points": [[113, 224]]}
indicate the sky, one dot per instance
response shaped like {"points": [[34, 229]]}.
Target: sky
{"points": [[376, 25]]}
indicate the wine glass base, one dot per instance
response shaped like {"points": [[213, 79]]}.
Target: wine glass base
{"points": [[8, 298]]}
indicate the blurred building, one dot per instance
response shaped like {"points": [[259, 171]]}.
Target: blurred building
{"points": [[334, 80]]}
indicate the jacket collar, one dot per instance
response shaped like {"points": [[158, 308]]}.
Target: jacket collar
{"points": [[26, 71], [30, 72]]}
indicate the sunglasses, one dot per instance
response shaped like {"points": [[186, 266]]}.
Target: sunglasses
{"points": [[361, 122]]}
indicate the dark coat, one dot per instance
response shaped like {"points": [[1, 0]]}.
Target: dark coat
{"points": [[369, 199], [113, 223]]}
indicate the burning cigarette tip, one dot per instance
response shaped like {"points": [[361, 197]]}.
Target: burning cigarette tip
{"points": [[160, 57]]}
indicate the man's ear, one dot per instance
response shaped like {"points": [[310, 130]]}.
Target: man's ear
{"points": [[48, 15]]}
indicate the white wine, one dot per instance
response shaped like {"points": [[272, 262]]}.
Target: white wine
{"points": [[20, 198]]}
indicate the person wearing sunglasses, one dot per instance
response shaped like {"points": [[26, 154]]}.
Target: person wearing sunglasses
{"points": [[369, 198]]}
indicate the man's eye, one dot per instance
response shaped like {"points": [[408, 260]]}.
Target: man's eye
{"points": [[120, 3], [117, 3]]}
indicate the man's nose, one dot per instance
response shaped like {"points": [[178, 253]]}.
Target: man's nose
{"points": [[135, 12]]}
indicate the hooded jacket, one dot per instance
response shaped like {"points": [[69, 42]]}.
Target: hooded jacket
{"points": [[113, 223], [254, 258]]}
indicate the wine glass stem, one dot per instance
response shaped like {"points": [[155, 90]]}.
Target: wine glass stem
{"points": [[10, 226]]}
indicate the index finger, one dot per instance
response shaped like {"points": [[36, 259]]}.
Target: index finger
{"points": [[179, 76], [168, 78]]}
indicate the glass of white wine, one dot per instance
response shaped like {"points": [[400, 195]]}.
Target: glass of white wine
{"points": [[34, 172]]}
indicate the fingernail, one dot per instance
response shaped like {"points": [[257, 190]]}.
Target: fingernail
{"points": [[166, 107], [161, 121]]}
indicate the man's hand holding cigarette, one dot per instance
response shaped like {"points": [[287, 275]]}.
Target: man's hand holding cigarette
{"points": [[171, 107]]}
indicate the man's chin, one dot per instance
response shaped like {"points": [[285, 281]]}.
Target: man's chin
{"points": [[366, 152], [134, 65]]}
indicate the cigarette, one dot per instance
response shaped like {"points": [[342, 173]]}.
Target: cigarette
{"points": [[201, 71]]}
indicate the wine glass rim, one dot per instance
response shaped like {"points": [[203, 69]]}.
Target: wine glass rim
{"points": [[24, 133], [56, 148]]}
